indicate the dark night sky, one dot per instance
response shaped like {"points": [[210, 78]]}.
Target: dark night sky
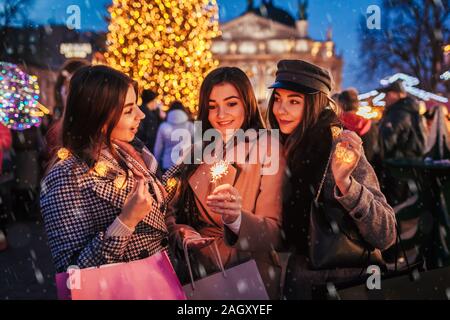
{"points": [[341, 15]]}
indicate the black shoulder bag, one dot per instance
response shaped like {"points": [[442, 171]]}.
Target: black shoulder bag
{"points": [[334, 238]]}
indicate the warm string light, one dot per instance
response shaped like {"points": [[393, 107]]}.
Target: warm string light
{"points": [[171, 183], [101, 168], [336, 132], [343, 154], [63, 153], [164, 44], [120, 182], [19, 94]]}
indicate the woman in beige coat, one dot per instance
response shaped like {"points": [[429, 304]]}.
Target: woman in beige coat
{"points": [[242, 209]]}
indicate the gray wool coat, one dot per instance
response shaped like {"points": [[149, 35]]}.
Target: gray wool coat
{"points": [[374, 218]]}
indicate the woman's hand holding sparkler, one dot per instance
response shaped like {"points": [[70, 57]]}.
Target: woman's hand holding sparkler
{"points": [[137, 205], [226, 200]]}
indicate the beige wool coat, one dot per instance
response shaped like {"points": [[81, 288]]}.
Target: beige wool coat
{"points": [[260, 230]]}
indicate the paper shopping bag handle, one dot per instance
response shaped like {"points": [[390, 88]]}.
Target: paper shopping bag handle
{"points": [[215, 252]]}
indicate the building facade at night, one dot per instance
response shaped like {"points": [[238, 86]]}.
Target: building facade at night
{"points": [[254, 42], [42, 50], [262, 36]]}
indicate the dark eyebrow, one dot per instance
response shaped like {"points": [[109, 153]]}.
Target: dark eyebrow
{"points": [[129, 104], [295, 95], [228, 98]]}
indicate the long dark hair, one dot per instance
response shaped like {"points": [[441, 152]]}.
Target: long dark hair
{"points": [[69, 67], [94, 106], [239, 80], [253, 120], [315, 105]]}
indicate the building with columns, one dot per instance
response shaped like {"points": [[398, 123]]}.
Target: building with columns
{"points": [[260, 37]]}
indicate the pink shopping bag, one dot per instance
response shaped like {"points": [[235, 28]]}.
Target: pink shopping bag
{"points": [[152, 278]]}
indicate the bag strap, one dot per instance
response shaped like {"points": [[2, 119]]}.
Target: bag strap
{"points": [[214, 251], [316, 198], [398, 242]]}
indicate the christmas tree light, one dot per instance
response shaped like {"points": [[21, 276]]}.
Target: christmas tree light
{"points": [[19, 94], [164, 44]]}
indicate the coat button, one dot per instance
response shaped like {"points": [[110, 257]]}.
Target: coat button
{"points": [[164, 242], [144, 254]]}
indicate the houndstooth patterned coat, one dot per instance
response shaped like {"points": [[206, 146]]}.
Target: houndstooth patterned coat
{"points": [[78, 205]]}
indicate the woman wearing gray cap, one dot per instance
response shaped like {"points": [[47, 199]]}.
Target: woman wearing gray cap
{"points": [[327, 167]]}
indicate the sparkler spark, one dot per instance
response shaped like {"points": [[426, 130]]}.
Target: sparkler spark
{"points": [[218, 170]]}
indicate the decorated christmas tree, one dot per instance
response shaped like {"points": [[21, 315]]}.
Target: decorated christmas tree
{"points": [[164, 44]]}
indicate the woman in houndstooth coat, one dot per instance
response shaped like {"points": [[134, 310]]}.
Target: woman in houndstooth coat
{"points": [[101, 200]]}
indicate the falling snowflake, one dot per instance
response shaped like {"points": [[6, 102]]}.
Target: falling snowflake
{"points": [[332, 292], [244, 244], [39, 276], [334, 227], [272, 273], [103, 284], [201, 270], [415, 275], [242, 286]]}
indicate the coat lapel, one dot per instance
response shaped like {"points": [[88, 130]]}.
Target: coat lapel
{"points": [[108, 188], [201, 185]]}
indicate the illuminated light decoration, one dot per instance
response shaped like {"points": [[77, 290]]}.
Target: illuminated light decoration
{"points": [[98, 58], [164, 44], [363, 103], [120, 182], [329, 46], [171, 183], [409, 85], [219, 47], [19, 95], [446, 75], [101, 168], [63, 153], [248, 47], [425, 95], [367, 95], [367, 112], [75, 50], [301, 46], [280, 45], [336, 132], [378, 100], [408, 81], [43, 108], [423, 108], [233, 47], [343, 154], [315, 48]]}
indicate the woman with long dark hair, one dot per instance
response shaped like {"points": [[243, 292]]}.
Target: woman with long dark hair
{"points": [[101, 201], [243, 213], [51, 124], [327, 166]]}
